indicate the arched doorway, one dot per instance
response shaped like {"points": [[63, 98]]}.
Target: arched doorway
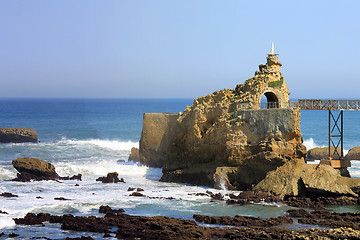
{"points": [[269, 100]]}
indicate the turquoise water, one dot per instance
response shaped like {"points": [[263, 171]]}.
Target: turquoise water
{"points": [[89, 136]]}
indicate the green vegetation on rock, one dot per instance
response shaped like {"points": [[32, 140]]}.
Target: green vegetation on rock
{"points": [[276, 84]]}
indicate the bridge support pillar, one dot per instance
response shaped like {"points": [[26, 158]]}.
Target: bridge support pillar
{"points": [[336, 131]]}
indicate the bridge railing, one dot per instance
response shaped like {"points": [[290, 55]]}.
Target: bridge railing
{"points": [[329, 104], [308, 104], [267, 105]]}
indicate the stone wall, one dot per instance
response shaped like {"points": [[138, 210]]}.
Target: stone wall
{"points": [[158, 131], [278, 122]]}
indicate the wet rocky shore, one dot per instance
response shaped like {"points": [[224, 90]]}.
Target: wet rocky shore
{"points": [[312, 222], [308, 219]]}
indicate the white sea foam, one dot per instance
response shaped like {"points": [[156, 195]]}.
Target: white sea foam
{"points": [[7, 173], [99, 168], [107, 144], [6, 221]]}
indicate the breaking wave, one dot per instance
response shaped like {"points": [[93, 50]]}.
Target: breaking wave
{"points": [[107, 144]]}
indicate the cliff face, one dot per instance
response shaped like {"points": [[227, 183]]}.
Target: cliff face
{"points": [[158, 132], [224, 137]]}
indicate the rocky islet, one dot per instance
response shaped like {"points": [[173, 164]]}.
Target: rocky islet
{"points": [[18, 135]]}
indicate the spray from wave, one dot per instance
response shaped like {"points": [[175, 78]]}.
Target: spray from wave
{"points": [[310, 144], [107, 144]]}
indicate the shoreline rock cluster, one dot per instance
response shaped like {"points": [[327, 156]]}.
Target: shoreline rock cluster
{"points": [[162, 227], [115, 223]]}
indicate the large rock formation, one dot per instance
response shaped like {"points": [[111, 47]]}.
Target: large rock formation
{"points": [[34, 169], [18, 135], [225, 138], [296, 178]]}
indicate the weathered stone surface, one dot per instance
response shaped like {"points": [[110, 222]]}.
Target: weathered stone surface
{"points": [[18, 135], [241, 139], [296, 178], [285, 180], [223, 177], [34, 169], [353, 154], [134, 155], [322, 153], [267, 81], [158, 131]]}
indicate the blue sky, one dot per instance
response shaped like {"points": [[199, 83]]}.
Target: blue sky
{"points": [[181, 49]]}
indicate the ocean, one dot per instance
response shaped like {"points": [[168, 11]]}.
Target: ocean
{"points": [[94, 137]]}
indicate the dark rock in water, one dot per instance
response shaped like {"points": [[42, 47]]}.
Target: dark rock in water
{"points": [[33, 219], [74, 177], [80, 238], [7, 194], [242, 220], [107, 235], [61, 199], [3, 212], [324, 218], [137, 194], [111, 177], [38, 197], [107, 209], [216, 196], [134, 155], [76, 185], [34, 169], [12, 235], [131, 189], [18, 135], [139, 189], [2, 234]]}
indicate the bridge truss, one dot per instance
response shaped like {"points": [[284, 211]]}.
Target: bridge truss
{"points": [[336, 123]]}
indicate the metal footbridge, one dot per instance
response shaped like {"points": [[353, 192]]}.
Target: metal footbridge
{"points": [[336, 125]]}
